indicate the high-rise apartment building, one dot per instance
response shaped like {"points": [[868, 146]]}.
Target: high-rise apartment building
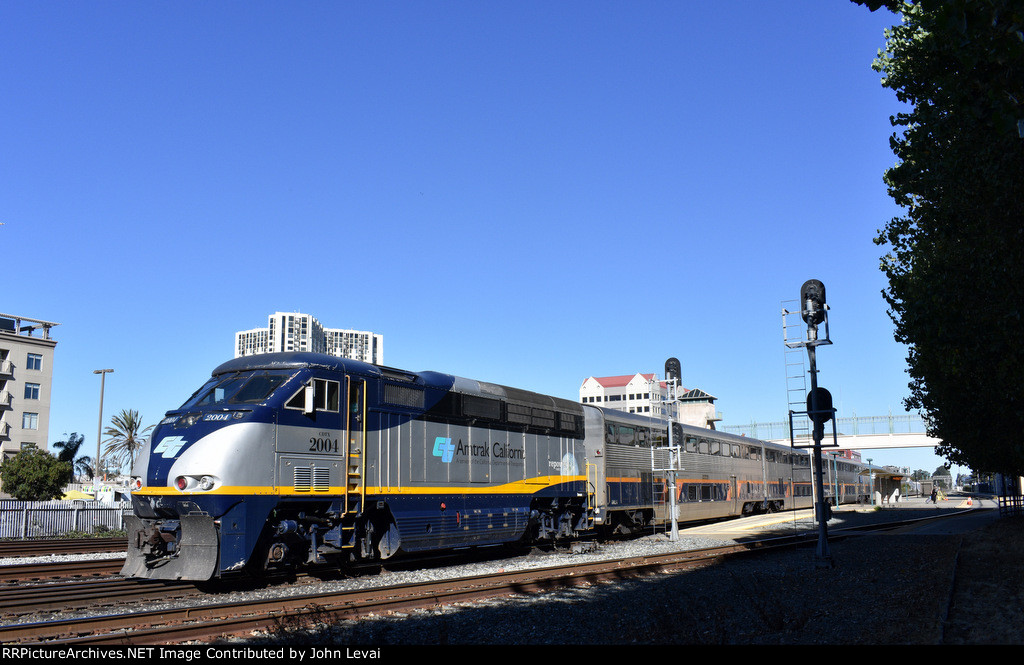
{"points": [[26, 372], [293, 331]]}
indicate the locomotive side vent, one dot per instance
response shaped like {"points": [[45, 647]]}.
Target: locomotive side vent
{"points": [[410, 396], [321, 479], [312, 478], [303, 479]]}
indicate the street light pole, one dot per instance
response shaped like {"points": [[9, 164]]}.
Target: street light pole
{"points": [[99, 431]]}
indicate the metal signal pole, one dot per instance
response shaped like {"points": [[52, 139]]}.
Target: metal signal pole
{"points": [[819, 406]]}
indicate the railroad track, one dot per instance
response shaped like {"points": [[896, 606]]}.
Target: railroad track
{"points": [[35, 547], [217, 619], [43, 598], [220, 619], [40, 568], [56, 570]]}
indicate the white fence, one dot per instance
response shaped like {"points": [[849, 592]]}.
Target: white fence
{"points": [[39, 519]]}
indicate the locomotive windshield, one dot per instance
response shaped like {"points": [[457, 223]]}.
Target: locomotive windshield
{"points": [[238, 388]]}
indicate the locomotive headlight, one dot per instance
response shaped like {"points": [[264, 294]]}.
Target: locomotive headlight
{"points": [[196, 483], [136, 483], [187, 420]]}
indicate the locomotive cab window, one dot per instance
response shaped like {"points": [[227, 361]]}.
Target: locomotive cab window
{"points": [[326, 396], [237, 388], [216, 391], [260, 386]]}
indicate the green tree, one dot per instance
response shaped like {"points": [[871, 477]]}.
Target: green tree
{"points": [[126, 436], [34, 475], [955, 264], [68, 452]]}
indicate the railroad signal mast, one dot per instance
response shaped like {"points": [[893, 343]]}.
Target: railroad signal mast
{"points": [[814, 311], [673, 378]]}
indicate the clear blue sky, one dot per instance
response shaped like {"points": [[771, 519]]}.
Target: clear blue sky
{"points": [[528, 193]]}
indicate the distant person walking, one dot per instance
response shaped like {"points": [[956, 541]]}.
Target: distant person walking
{"points": [[935, 493]]}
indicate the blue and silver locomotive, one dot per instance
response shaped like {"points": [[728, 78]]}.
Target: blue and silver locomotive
{"points": [[285, 460], [297, 458]]}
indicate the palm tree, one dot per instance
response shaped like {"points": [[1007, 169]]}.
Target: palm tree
{"points": [[68, 452], [125, 436]]}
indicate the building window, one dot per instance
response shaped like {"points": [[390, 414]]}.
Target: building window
{"points": [[31, 391], [35, 361], [29, 420]]}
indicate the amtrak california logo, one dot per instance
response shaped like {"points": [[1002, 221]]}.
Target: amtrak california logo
{"points": [[444, 449], [170, 445], [494, 451]]}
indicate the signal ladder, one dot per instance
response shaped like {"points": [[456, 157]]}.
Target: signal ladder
{"points": [[794, 331], [663, 479], [664, 460]]}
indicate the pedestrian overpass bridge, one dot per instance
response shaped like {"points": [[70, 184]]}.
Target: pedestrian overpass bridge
{"points": [[855, 433]]}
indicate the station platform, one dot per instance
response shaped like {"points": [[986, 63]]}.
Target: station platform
{"points": [[922, 502], [846, 515]]}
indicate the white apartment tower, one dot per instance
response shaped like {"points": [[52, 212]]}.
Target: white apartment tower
{"points": [[293, 331], [26, 373]]}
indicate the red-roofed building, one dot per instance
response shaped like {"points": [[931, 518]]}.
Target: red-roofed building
{"points": [[645, 393]]}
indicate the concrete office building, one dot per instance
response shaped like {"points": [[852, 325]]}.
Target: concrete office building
{"points": [[26, 374], [293, 331]]}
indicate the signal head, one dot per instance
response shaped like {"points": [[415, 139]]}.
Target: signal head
{"points": [[812, 302]]}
